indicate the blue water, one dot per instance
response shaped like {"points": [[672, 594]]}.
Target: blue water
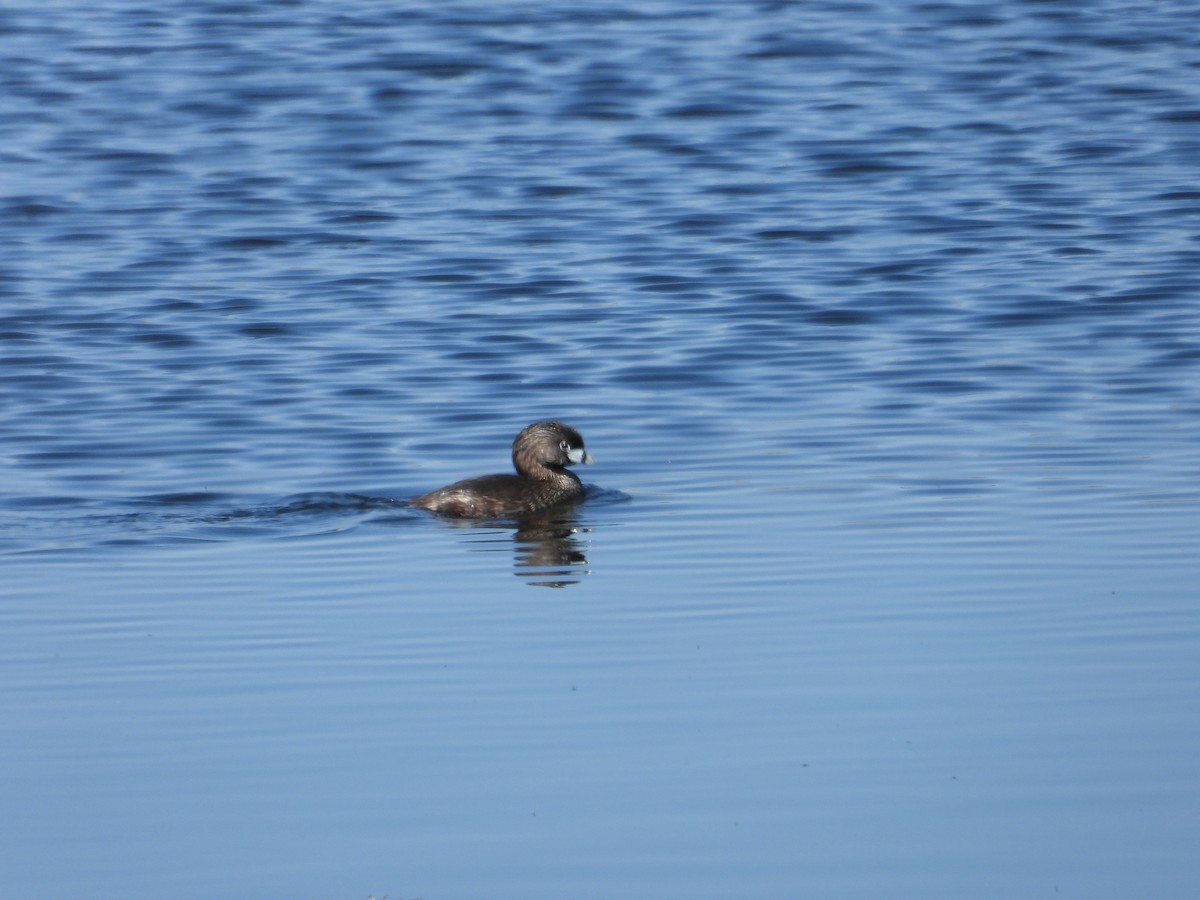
{"points": [[882, 321]]}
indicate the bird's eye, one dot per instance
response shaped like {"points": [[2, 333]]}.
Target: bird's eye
{"points": [[564, 445]]}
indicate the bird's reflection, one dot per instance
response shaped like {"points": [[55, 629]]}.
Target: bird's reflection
{"points": [[549, 550], [547, 546]]}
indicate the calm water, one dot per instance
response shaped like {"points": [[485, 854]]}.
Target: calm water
{"points": [[881, 319]]}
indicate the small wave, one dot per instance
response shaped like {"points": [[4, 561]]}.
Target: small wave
{"points": [[76, 523]]}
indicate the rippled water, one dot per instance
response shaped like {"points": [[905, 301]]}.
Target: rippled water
{"points": [[881, 319]]}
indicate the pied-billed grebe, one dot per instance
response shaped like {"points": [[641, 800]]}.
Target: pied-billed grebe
{"points": [[541, 454]]}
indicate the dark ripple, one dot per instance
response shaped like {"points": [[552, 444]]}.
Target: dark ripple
{"points": [[945, 386], [808, 235], [782, 47], [193, 499], [651, 377], [840, 318], [163, 339]]}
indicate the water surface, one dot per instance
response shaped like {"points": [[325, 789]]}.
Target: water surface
{"points": [[880, 319]]}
